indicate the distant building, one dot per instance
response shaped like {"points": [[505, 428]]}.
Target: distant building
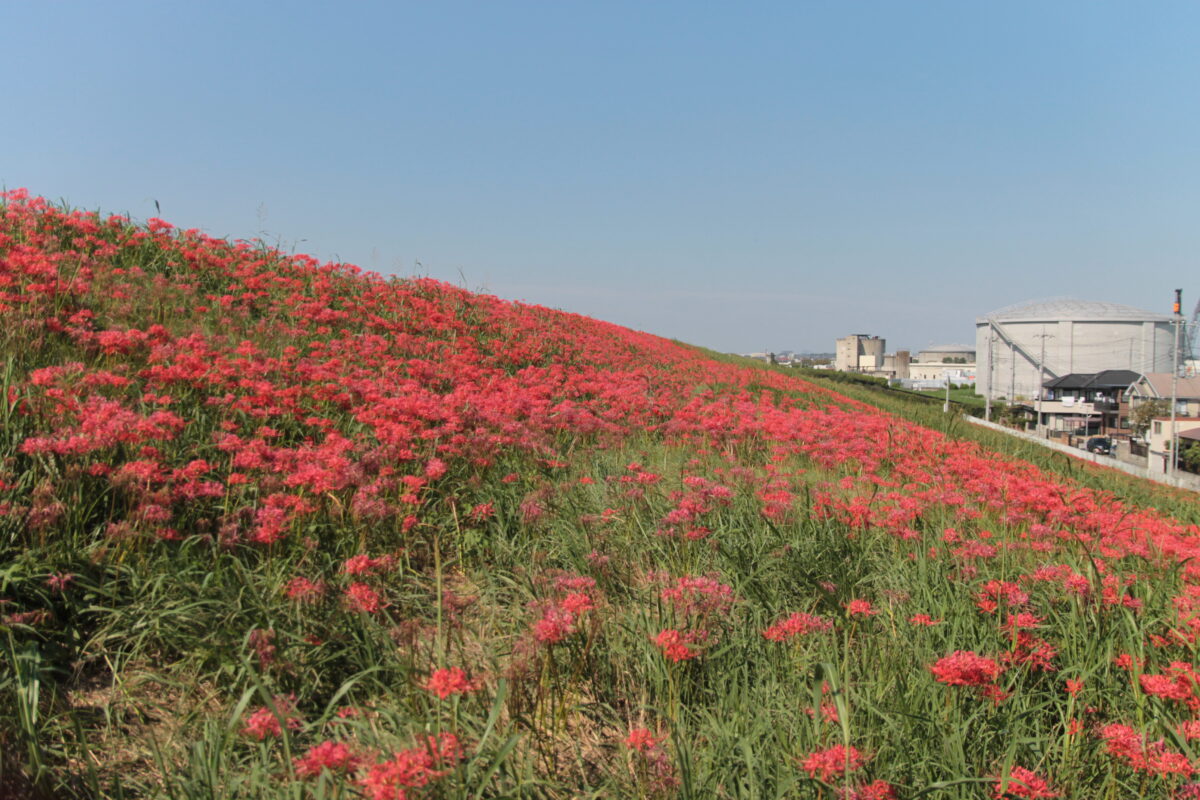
{"points": [[947, 354], [937, 364], [861, 352], [938, 372]]}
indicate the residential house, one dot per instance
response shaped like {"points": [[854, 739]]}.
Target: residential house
{"points": [[1159, 437], [1157, 386], [1086, 402]]}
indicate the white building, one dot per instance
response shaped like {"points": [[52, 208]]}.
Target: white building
{"points": [[939, 371]]}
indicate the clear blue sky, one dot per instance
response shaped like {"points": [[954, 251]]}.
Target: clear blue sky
{"points": [[739, 175]]}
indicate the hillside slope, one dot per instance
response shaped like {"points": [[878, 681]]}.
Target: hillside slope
{"points": [[272, 527]]}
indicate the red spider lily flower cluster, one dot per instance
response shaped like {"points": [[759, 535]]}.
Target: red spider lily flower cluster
{"points": [[1179, 683], [268, 722], [559, 616], [798, 624], [335, 757], [966, 668], [698, 598], [697, 609], [411, 769], [1022, 782], [651, 763], [680, 645], [447, 681], [832, 763], [1127, 746], [875, 790], [860, 608]]}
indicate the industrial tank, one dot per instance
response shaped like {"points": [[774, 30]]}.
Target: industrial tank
{"points": [[1066, 336]]}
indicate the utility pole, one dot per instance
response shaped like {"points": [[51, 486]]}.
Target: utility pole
{"points": [[987, 398], [1012, 371], [1041, 378], [1175, 386]]}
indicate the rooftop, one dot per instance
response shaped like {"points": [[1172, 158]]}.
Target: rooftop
{"points": [[1108, 379], [1069, 308], [1160, 385]]}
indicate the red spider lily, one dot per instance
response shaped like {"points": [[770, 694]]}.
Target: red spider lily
{"points": [[833, 762], [1022, 782], [303, 590], [1029, 649], [798, 624], [328, 755], [1179, 683], [1127, 746], [875, 790], [411, 769], [642, 739], [966, 668], [577, 603], [448, 681], [365, 565], [860, 608], [699, 597], [362, 598], [556, 624], [652, 765], [59, 581], [679, 646], [1126, 661], [264, 722]]}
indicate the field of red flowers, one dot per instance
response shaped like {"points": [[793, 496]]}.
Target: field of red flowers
{"points": [[276, 528]]}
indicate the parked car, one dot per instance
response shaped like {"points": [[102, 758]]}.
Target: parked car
{"points": [[1099, 444]]}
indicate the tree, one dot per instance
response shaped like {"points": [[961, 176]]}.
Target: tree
{"points": [[1189, 455], [1145, 412]]}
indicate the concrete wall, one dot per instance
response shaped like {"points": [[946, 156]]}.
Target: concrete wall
{"points": [[1182, 480]]}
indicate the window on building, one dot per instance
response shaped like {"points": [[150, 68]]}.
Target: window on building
{"points": [[1157, 427]]}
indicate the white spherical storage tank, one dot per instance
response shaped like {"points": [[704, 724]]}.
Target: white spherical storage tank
{"points": [[1064, 336]]}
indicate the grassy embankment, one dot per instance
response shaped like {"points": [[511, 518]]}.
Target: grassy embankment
{"points": [[257, 511]]}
